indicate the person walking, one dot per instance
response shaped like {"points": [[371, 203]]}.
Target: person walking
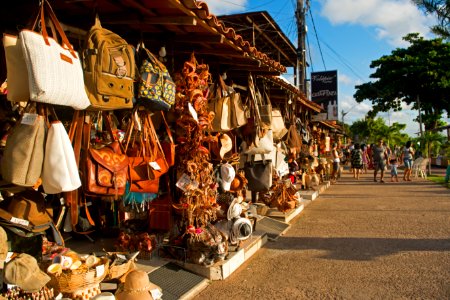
{"points": [[379, 156], [336, 162], [407, 158], [357, 160], [393, 161], [365, 158]]}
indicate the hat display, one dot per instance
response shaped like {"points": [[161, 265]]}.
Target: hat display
{"points": [[234, 210], [24, 272], [227, 173], [3, 244], [26, 210], [238, 182], [240, 230], [137, 286], [104, 296], [226, 144]]}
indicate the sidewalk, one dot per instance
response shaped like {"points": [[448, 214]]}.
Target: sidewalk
{"points": [[358, 240]]}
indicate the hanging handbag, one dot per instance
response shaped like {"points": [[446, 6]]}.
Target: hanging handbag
{"points": [[23, 155], [60, 170], [106, 167], [258, 174], [261, 145], [54, 71], [220, 103], [237, 115], [140, 177], [156, 89], [293, 139], [16, 70], [168, 144], [278, 127]]}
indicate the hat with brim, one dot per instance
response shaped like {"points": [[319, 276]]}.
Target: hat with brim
{"points": [[240, 230], [226, 145], [24, 272], [137, 286], [227, 174], [238, 182], [26, 210], [234, 210]]}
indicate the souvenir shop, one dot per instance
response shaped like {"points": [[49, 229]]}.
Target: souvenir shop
{"points": [[150, 123]]}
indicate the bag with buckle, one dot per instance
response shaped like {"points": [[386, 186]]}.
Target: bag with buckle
{"points": [[109, 69], [156, 89], [106, 166]]}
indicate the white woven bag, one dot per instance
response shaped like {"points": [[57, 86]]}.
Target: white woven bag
{"points": [[60, 171], [55, 75]]}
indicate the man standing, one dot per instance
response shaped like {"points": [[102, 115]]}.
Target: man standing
{"points": [[380, 157]]}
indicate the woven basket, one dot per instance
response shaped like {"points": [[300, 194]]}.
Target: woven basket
{"points": [[145, 255], [70, 281]]}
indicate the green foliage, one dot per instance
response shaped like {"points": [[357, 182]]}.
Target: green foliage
{"points": [[419, 72], [371, 130], [441, 8], [430, 143]]}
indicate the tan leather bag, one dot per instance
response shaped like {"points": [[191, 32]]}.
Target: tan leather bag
{"points": [[16, 70], [220, 104], [23, 156]]}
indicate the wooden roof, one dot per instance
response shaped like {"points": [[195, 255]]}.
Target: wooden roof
{"points": [[182, 26]]}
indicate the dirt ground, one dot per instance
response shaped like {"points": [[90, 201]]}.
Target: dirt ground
{"points": [[358, 240]]}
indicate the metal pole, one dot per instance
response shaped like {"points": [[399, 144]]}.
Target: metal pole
{"points": [[420, 116], [301, 50]]}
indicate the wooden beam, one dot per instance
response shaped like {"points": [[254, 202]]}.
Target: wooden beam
{"points": [[269, 40], [166, 20]]}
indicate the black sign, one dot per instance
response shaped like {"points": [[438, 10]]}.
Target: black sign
{"points": [[324, 92]]}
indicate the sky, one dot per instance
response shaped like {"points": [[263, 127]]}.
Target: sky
{"points": [[346, 35]]}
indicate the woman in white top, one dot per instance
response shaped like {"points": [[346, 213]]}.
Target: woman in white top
{"points": [[407, 158], [336, 161]]}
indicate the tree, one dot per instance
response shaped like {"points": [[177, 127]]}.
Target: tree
{"points": [[371, 130], [441, 8], [420, 72]]}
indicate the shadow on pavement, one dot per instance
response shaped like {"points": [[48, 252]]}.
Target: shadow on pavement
{"points": [[358, 248]]}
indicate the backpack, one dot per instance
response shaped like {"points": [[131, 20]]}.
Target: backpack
{"points": [[156, 89], [109, 69], [357, 157]]}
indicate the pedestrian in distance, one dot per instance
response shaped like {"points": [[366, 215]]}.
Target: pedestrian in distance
{"points": [[407, 158], [357, 160], [380, 157], [336, 162], [365, 159], [393, 161]]}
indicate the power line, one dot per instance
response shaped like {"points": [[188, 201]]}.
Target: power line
{"points": [[343, 61], [317, 38], [309, 54]]}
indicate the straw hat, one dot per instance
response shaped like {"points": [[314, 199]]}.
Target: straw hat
{"points": [[238, 182], [137, 286], [226, 144]]}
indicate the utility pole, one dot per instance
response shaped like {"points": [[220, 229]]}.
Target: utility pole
{"points": [[301, 49]]}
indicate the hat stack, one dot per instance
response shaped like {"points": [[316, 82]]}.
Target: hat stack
{"points": [[137, 286]]}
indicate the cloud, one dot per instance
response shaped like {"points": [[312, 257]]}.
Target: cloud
{"points": [[220, 7], [344, 79], [391, 19]]}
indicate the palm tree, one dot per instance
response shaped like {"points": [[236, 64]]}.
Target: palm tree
{"points": [[430, 141]]}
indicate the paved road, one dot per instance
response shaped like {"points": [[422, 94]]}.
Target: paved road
{"points": [[358, 240]]}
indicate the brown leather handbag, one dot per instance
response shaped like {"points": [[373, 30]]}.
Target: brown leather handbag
{"points": [[144, 156], [168, 146], [106, 167]]}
